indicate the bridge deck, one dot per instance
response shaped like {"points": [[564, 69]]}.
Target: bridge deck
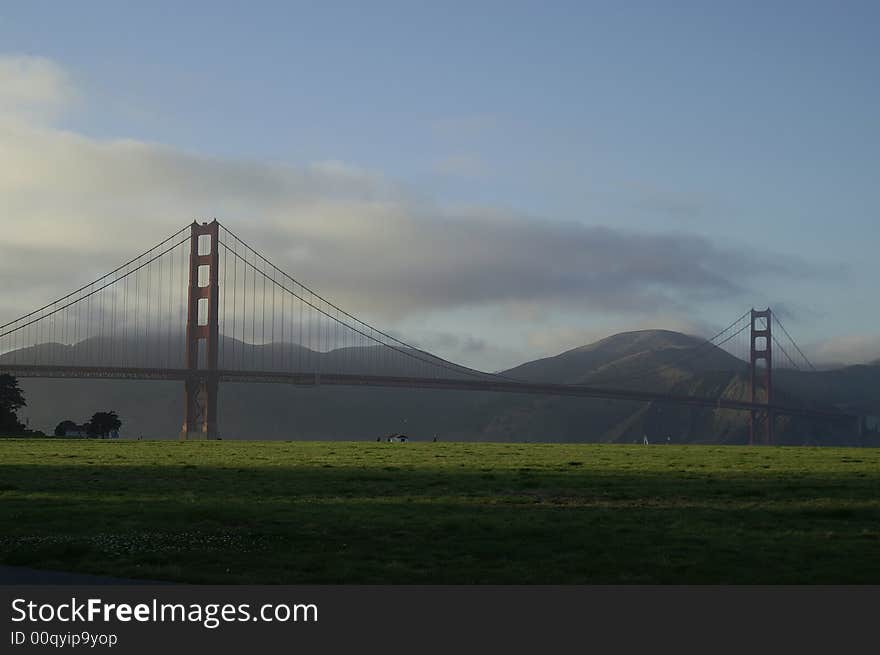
{"points": [[342, 379]]}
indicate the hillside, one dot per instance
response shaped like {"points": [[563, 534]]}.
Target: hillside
{"points": [[630, 360], [655, 360]]}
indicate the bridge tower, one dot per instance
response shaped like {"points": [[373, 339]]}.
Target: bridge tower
{"points": [[761, 351], [202, 334]]}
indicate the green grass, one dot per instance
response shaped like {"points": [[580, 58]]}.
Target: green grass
{"points": [[367, 512]]}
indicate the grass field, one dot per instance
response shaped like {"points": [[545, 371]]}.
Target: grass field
{"points": [[367, 512]]}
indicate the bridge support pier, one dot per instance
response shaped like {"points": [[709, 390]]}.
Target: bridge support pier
{"points": [[200, 410], [202, 335]]}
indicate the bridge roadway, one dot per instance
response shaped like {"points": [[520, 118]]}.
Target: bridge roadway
{"points": [[312, 379]]}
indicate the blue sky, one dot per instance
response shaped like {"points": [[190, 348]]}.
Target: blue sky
{"points": [[751, 127]]}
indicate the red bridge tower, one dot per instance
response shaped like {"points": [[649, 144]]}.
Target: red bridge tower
{"points": [[761, 351], [202, 334]]}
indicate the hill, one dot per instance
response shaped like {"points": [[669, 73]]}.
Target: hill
{"points": [[664, 361], [645, 358]]}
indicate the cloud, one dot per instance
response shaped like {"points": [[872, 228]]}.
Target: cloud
{"points": [[463, 128], [447, 341], [464, 165], [34, 85], [845, 350], [796, 312], [667, 204], [78, 206], [552, 340]]}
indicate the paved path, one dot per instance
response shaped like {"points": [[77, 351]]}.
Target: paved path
{"points": [[20, 575]]}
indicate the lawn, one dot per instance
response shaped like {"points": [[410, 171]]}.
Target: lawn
{"points": [[368, 512]]}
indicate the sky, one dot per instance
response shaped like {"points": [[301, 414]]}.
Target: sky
{"points": [[494, 181]]}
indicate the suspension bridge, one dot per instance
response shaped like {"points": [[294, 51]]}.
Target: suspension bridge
{"points": [[203, 307]]}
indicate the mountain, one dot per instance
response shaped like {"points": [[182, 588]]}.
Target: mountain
{"points": [[629, 357], [167, 351], [656, 360], [663, 361]]}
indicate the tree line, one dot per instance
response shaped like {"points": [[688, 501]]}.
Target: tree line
{"points": [[100, 425]]}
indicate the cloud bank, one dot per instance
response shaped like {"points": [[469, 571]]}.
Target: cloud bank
{"points": [[846, 350], [80, 205]]}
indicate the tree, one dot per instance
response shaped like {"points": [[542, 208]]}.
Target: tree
{"points": [[64, 427], [103, 423], [11, 400]]}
